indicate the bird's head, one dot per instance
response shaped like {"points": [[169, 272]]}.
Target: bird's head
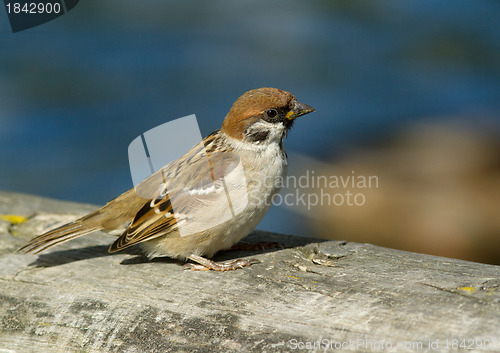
{"points": [[263, 115]]}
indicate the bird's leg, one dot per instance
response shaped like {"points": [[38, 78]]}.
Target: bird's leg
{"points": [[203, 264]]}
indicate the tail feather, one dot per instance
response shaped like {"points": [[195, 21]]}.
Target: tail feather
{"points": [[58, 236]]}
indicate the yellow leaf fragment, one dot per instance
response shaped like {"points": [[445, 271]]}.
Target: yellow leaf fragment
{"points": [[467, 289], [13, 219]]}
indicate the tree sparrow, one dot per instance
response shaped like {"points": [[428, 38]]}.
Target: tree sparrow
{"points": [[208, 199]]}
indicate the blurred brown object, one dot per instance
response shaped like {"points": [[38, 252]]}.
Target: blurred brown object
{"points": [[438, 193]]}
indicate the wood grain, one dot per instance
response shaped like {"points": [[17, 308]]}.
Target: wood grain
{"points": [[306, 294]]}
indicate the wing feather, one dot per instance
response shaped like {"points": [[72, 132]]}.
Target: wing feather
{"points": [[176, 194]]}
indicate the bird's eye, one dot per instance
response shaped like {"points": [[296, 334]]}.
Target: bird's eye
{"points": [[271, 113]]}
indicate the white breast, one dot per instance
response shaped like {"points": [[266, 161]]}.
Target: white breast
{"points": [[263, 166]]}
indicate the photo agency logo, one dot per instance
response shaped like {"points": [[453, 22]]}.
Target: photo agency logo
{"points": [[27, 14], [213, 180]]}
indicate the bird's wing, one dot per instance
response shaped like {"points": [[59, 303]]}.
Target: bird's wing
{"points": [[182, 198]]}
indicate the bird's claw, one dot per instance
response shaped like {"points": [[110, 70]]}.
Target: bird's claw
{"points": [[220, 266]]}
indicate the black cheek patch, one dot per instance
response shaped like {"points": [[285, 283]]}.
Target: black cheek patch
{"points": [[258, 136]]}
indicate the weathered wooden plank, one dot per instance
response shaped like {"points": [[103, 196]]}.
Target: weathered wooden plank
{"points": [[79, 298]]}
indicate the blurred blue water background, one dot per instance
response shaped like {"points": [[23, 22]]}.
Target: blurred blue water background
{"points": [[76, 91]]}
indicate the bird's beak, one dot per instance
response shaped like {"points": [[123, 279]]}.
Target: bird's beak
{"points": [[299, 109]]}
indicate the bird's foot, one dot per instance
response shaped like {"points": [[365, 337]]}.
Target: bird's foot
{"points": [[203, 264]]}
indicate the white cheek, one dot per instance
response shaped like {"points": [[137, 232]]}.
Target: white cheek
{"points": [[275, 130]]}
